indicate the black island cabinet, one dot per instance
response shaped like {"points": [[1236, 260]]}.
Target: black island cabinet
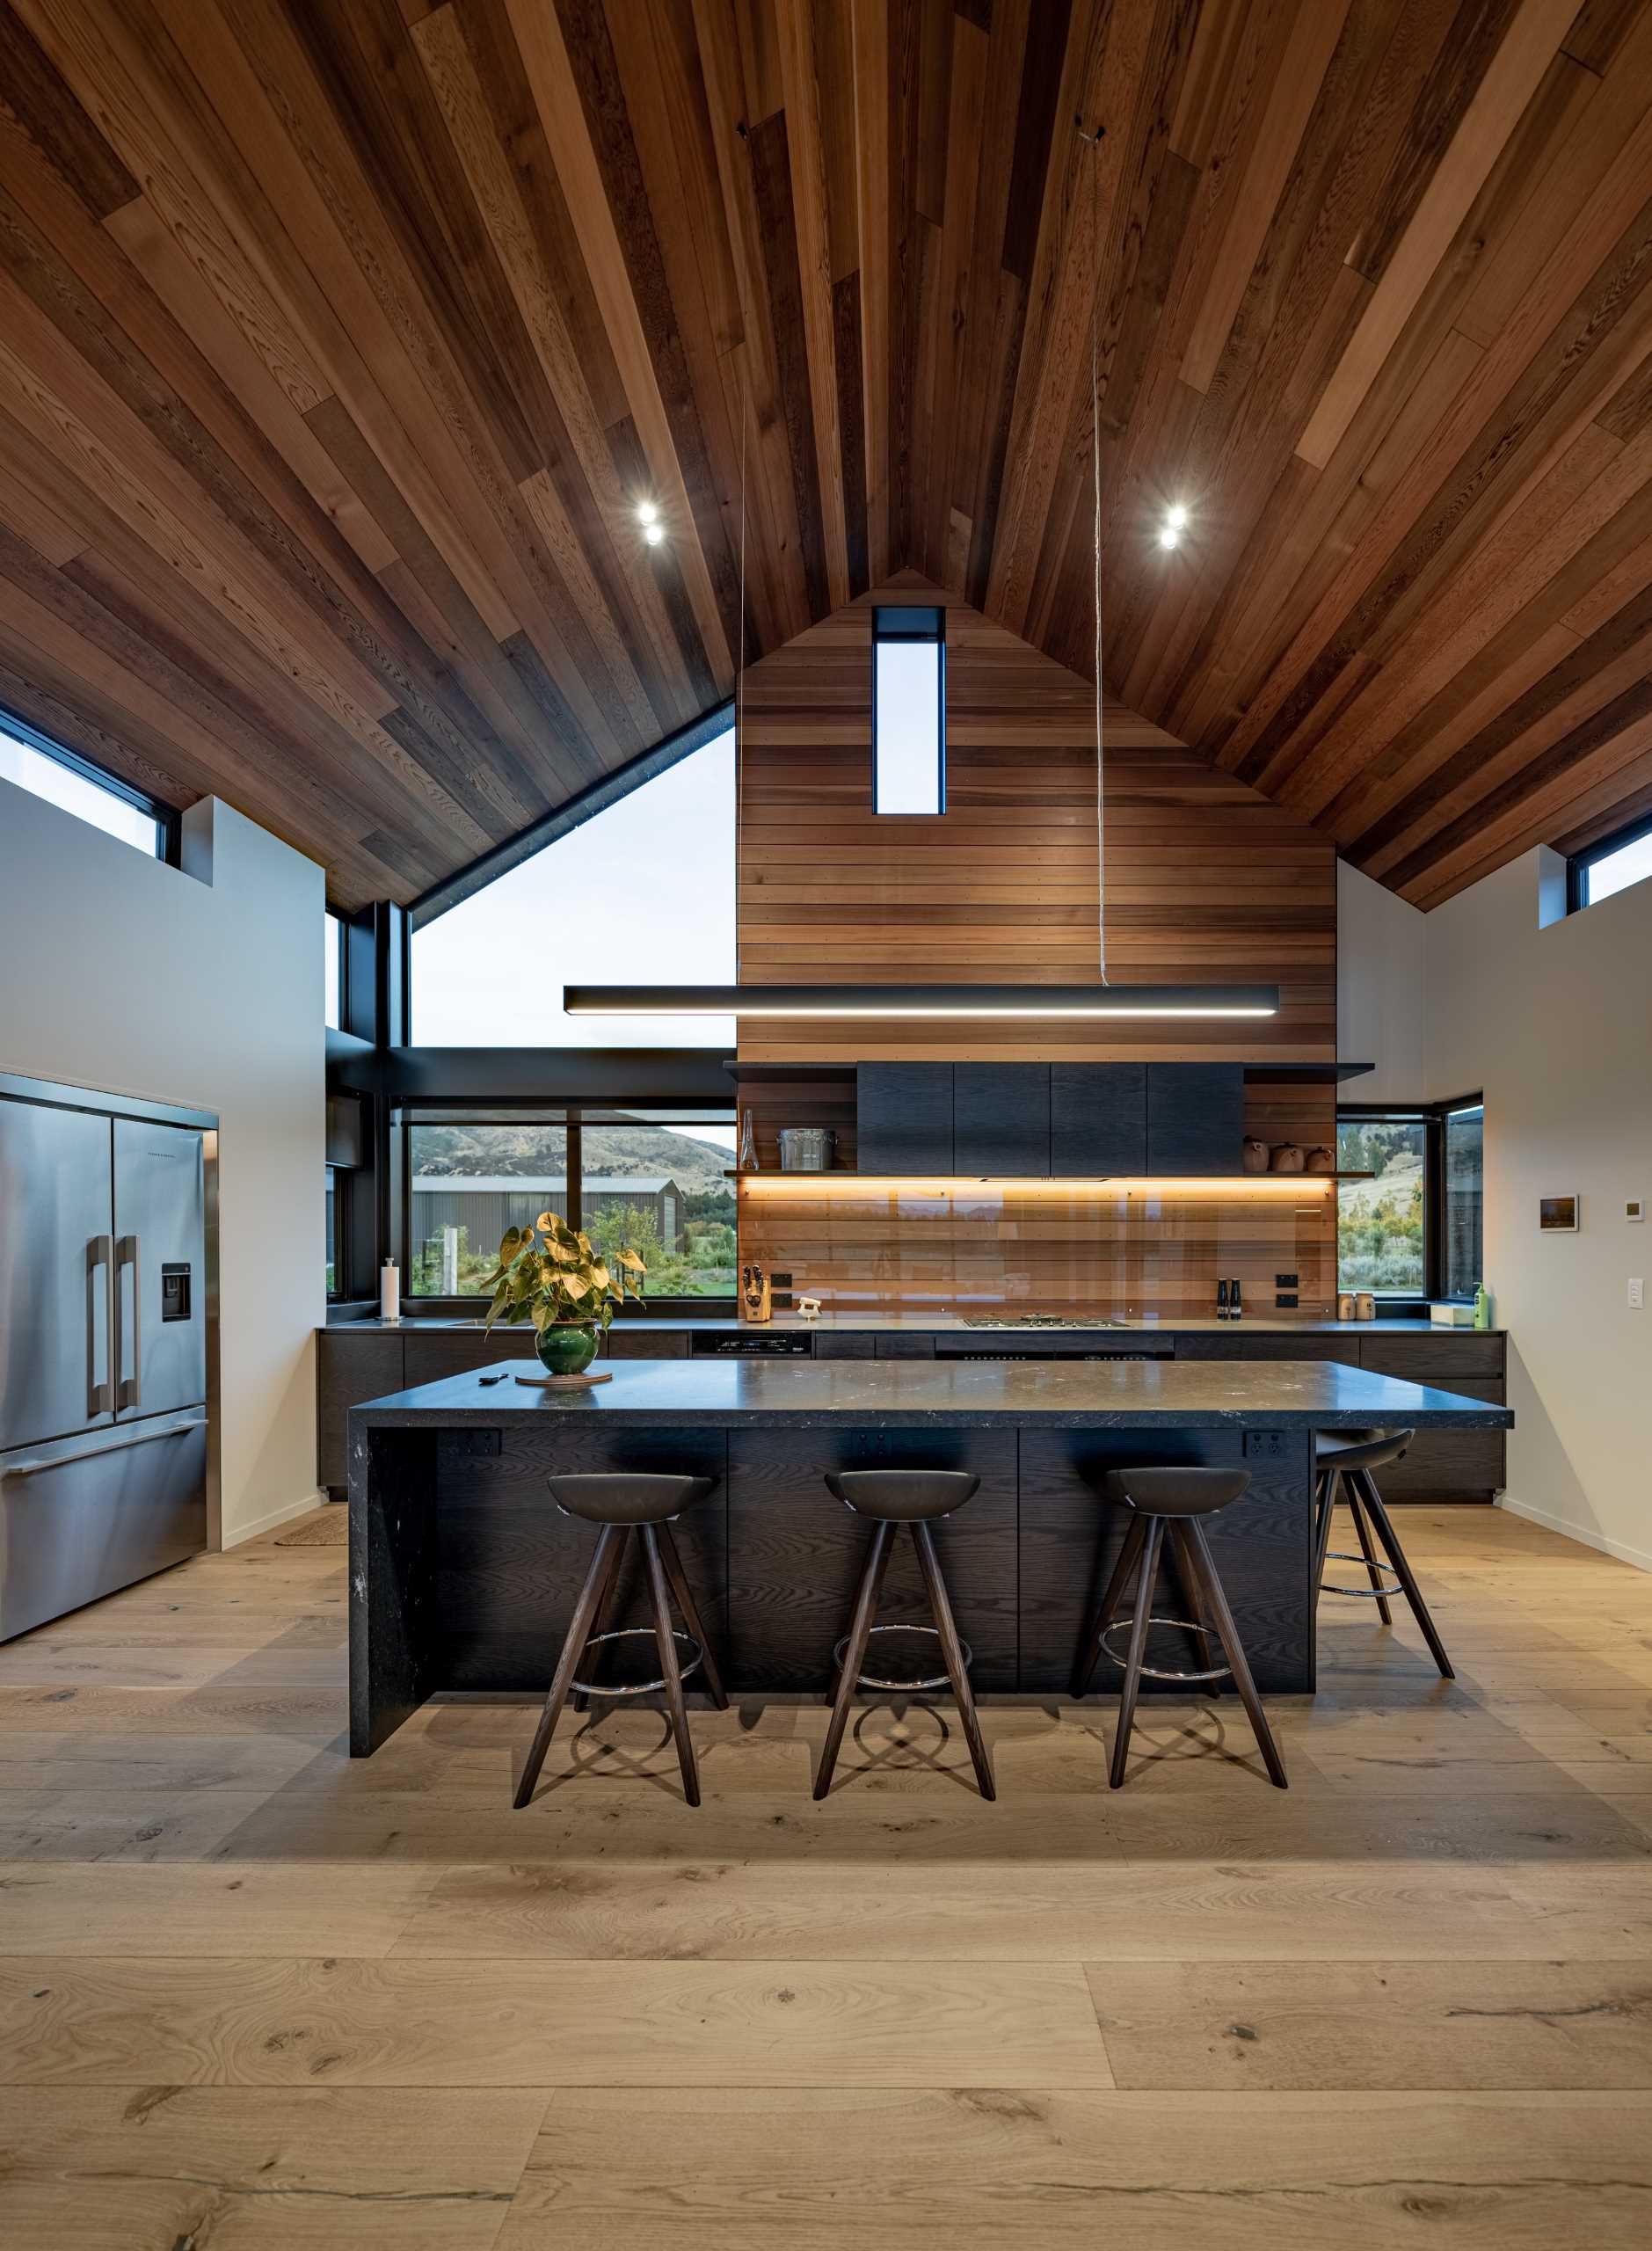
{"points": [[463, 1574]]}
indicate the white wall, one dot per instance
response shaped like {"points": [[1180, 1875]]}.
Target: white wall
{"points": [[199, 986], [1381, 980], [1556, 1026]]}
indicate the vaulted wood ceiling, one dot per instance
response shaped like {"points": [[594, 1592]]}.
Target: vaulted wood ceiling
{"points": [[340, 338]]}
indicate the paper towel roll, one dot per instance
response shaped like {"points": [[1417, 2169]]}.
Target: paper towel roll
{"points": [[390, 1291]]}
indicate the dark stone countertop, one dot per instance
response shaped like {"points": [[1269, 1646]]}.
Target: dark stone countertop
{"points": [[908, 1395], [926, 1324]]}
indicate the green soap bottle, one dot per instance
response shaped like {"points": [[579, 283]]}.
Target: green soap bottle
{"points": [[1482, 1307]]}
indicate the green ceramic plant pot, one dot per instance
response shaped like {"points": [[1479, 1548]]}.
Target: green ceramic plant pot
{"points": [[567, 1347]]}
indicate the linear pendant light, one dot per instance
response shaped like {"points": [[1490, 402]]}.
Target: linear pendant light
{"points": [[1068, 1002], [1100, 1002]]}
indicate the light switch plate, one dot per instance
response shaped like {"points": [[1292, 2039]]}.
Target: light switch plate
{"points": [[1637, 1293]]}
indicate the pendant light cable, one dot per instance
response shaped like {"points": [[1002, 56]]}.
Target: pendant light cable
{"points": [[1096, 471], [739, 679]]}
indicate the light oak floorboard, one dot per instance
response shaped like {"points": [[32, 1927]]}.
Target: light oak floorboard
{"points": [[956, 2169], [336, 2022], [161, 2167], [1249, 2025]]}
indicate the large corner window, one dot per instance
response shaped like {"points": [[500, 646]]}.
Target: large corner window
{"points": [[642, 893], [1612, 865], [1382, 1223], [1414, 1229], [647, 1181], [74, 784], [909, 710]]}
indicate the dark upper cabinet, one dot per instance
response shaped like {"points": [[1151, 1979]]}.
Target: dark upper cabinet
{"points": [[1196, 1117], [1001, 1119], [1098, 1120], [903, 1118]]}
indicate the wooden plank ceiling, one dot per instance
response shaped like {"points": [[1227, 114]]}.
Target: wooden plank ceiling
{"points": [[340, 338]]}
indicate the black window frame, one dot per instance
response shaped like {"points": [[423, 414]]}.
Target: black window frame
{"points": [[571, 1116], [341, 1292], [1432, 1116], [914, 622], [167, 819], [1579, 863]]}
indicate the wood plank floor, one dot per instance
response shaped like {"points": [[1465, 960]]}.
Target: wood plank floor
{"points": [[253, 1994]]}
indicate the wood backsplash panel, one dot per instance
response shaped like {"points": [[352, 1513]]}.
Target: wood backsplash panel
{"points": [[1207, 881], [919, 1246]]}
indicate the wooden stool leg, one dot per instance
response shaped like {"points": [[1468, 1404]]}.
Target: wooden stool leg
{"points": [[670, 1671], [952, 1649], [1366, 1486], [1090, 1655], [855, 1654], [1330, 1486], [585, 1612], [1190, 1534], [677, 1579], [607, 1611], [1153, 1542], [1373, 1569]]}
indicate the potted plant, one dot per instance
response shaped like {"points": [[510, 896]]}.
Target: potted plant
{"points": [[550, 1274]]}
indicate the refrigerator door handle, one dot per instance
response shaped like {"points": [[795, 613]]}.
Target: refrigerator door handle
{"points": [[100, 1396], [129, 1389], [68, 1460]]}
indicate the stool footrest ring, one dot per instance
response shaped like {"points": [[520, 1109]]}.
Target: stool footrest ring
{"points": [[641, 1687], [872, 1680], [1161, 1672], [1394, 1584]]}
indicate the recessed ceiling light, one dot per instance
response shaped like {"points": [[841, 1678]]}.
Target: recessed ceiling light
{"points": [[653, 534], [1170, 536], [647, 512], [1176, 517]]}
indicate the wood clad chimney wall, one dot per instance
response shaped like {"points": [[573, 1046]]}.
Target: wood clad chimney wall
{"points": [[1207, 880]]}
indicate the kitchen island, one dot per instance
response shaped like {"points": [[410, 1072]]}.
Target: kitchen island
{"points": [[463, 1573]]}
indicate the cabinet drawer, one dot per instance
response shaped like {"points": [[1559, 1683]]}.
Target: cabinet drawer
{"points": [[1206, 1345], [903, 1348], [349, 1371], [1439, 1358], [1447, 1465], [831, 1347], [651, 1344]]}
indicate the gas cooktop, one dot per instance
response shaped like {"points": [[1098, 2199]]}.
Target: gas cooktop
{"points": [[1036, 1320]]}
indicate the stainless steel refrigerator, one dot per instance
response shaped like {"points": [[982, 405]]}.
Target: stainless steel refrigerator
{"points": [[106, 1302]]}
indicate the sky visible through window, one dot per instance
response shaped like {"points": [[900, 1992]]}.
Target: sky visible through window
{"points": [[31, 770], [1617, 871], [641, 894]]}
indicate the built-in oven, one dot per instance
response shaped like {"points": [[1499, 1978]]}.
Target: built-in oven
{"points": [[739, 1344]]}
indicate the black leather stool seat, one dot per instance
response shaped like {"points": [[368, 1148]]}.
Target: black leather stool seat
{"points": [[626, 1496], [902, 1495], [1189, 1492], [1359, 1449]]}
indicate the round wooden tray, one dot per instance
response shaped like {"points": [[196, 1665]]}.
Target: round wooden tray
{"points": [[567, 1382]]}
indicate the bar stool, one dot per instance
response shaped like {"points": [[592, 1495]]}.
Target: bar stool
{"points": [[622, 1503], [1344, 1460], [916, 1499], [1168, 1503]]}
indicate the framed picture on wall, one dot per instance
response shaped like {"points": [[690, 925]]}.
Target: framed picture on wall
{"points": [[1557, 1214]]}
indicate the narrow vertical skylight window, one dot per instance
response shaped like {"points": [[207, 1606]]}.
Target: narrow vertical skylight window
{"points": [[909, 753]]}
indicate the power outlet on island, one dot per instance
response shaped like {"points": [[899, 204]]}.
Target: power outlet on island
{"points": [[481, 1442], [1265, 1445]]}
